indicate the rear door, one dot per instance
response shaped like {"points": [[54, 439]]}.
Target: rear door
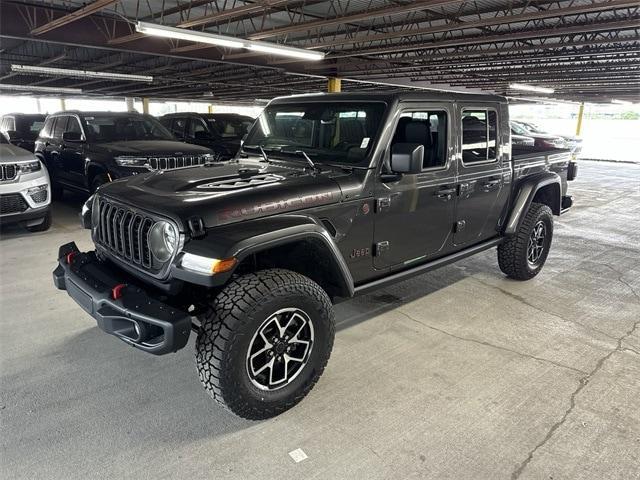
{"points": [[54, 148], [72, 155], [414, 213], [483, 172]]}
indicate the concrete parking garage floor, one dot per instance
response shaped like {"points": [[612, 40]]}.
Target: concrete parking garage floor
{"points": [[460, 373]]}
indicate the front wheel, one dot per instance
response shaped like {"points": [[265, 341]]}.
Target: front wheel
{"points": [[265, 342], [523, 255]]}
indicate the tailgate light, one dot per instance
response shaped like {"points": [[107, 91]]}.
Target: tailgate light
{"points": [[70, 256]]}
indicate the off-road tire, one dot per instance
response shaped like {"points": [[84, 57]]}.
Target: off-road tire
{"points": [[41, 227], [512, 253], [226, 333]]}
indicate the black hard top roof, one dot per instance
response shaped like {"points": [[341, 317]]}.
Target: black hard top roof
{"points": [[392, 96]]}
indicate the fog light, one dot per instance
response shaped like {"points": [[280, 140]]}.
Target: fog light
{"points": [[206, 265], [38, 194]]}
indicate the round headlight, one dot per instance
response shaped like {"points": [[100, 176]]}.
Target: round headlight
{"points": [[163, 241]]}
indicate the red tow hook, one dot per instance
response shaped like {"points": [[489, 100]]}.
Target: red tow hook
{"points": [[116, 292], [70, 256]]}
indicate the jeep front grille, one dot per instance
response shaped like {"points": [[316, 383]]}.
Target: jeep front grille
{"points": [[8, 172], [124, 233], [170, 163]]}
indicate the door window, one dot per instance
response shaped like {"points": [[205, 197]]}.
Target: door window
{"points": [[177, 126], [48, 128], [479, 135], [59, 127], [428, 128], [197, 128], [73, 126]]}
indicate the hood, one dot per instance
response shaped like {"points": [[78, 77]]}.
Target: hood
{"points": [[11, 154], [227, 192], [150, 147]]}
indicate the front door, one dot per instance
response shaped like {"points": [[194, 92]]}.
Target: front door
{"points": [[414, 213], [72, 155]]}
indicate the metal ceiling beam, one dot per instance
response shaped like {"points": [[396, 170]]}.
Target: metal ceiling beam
{"points": [[351, 17], [85, 11], [234, 13], [499, 20], [500, 38]]}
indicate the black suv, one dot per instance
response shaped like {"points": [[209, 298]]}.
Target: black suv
{"points": [[22, 129], [221, 132], [84, 150]]}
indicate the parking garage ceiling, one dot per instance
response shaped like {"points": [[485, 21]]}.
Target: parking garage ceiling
{"points": [[585, 50]]}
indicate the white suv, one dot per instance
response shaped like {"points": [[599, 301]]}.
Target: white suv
{"points": [[25, 191]]}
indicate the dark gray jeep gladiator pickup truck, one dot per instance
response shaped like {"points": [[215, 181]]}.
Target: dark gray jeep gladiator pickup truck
{"points": [[330, 196]]}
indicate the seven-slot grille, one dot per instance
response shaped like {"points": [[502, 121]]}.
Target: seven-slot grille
{"points": [[12, 203], [125, 232], [8, 171], [170, 163]]}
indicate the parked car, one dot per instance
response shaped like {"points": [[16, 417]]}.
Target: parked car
{"points": [[83, 150], [221, 132], [573, 142], [360, 191], [25, 192], [522, 140], [22, 129], [542, 140]]}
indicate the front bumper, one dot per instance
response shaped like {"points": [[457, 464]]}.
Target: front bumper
{"points": [[138, 318]]}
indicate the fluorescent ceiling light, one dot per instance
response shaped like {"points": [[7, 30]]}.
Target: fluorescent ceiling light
{"points": [[621, 102], [531, 88], [65, 72], [226, 41], [33, 88], [190, 35]]}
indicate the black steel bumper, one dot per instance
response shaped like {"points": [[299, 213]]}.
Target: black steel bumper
{"points": [[137, 317]]}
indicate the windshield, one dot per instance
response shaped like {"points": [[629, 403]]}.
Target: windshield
{"points": [[30, 125], [518, 129], [336, 132], [114, 128], [229, 127]]}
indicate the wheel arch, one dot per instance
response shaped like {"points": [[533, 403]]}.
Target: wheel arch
{"points": [[545, 189]]}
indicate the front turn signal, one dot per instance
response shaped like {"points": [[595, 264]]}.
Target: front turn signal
{"points": [[206, 265]]}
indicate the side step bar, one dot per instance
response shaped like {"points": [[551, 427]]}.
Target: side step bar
{"points": [[426, 267]]}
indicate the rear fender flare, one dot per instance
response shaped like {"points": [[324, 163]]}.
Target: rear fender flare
{"points": [[524, 195]]}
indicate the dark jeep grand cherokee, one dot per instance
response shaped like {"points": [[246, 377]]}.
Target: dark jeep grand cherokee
{"points": [[83, 150], [331, 196]]}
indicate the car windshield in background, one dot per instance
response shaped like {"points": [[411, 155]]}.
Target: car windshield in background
{"points": [[3, 139], [334, 132], [229, 127], [519, 129], [115, 128]]}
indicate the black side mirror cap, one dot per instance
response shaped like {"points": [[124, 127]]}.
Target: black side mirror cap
{"points": [[407, 158], [72, 137]]}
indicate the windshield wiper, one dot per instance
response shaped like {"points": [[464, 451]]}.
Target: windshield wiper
{"points": [[305, 156], [264, 154]]}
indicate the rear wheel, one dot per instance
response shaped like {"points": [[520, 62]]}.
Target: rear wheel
{"points": [[265, 342], [523, 255]]}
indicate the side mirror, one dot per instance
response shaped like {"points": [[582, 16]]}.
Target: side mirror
{"points": [[72, 137], [407, 158]]}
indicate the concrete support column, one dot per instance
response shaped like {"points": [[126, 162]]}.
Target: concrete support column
{"points": [[145, 105], [129, 102], [334, 85], [63, 105], [580, 115], [38, 105], [210, 108]]}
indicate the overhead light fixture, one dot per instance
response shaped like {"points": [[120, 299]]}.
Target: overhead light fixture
{"points": [[530, 88], [66, 72], [621, 102], [34, 88], [226, 41]]}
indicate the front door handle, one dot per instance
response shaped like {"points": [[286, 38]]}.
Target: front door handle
{"points": [[445, 193], [491, 183]]}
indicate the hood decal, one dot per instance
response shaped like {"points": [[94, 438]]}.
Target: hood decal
{"points": [[269, 208]]}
